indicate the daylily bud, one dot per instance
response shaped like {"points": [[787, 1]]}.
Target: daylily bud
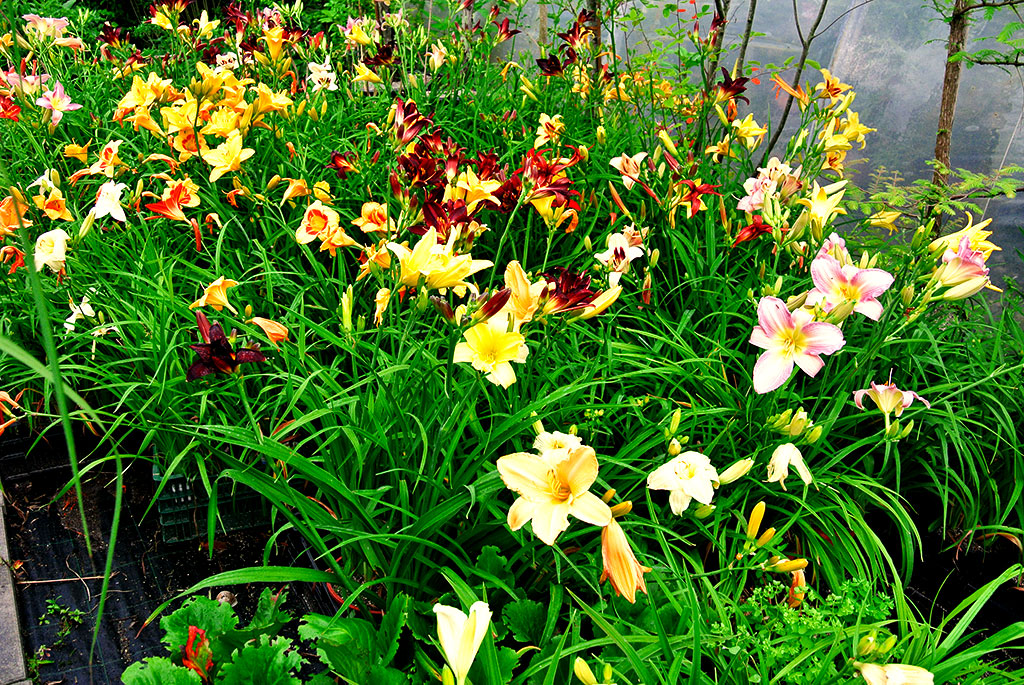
{"points": [[346, 309], [301, 109], [788, 565], [735, 472], [607, 496], [864, 257], [653, 260], [703, 511], [966, 289], [601, 137], [272, 183], [583, 672], [920, 235], [673, 424], [361, 323], [887, 645], [893, 431], [666, 140], [601, 303], [674, 448], [87, 223], [621, 509], [812, 435], [754, 522], [907, 295], [797, 301], [866, 645], [447, 677], [493, 305], [661, 169], [248, 311], [765, 538], [841, 312], [574, 429], [906, 431], [779, 421], [443, 308], [607, 673], [658, 152], [588, 244]]}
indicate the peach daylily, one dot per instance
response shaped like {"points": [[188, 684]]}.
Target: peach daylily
{"points": [[12, 213], [525, 297], [317, 220], [620, 564], [551, 490], [629, 167], [274, 331], [374, 219], [216, 295], [789, 338], [53, 205]]}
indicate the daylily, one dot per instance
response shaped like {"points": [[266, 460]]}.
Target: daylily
{"points": [[435, 263], [629, 167], [108, 202], [78, 312], [550, 491], [525, 297], [12, 213], [884, 219], [216, 352], [51, 249], [171, 206], [53, 205], [894, 674], [823, 204], [854, 131], [472, 190], [491, 349], [749, 132], [618, 256], [556, 446], [436, 56], [216, 295], [9, 109], [461, 636], [550, 129], [79, 152], [364, 74], [381, 301], [342, 163], [9, 253], [830, 88], [964, 272], [108, 160], [789, 338], [888, 398], [977, 238], [333, 238], [835, 284], [374, 219], [317, 220], [689, 476], [782, 458], [228, 156], [275, 331], [620, 564], [58, 102]]}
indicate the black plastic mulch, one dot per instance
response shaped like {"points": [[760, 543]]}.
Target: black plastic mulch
{"points": [[48, 548]]}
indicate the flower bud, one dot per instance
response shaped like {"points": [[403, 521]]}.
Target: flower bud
{"points": [[907, 295], [673, 424], [797, 301], [703, 511], [666, 140], [621, 509], [674, 448], [754, 522], [906, 431], [346, 309], [735, 472], [655, 256], [920, 235], [887, 645], [588, 244], [893, 431], [601, 136], [787, 565], [583, 672], [272, 183], [866, 645], [447, 677], [841, 312], [765, 538], [812, 435], [87, 223], [966, 289]]}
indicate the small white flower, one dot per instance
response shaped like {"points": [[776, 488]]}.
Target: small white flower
{"points": [[108, 202], [78, 312], [461, 636]]}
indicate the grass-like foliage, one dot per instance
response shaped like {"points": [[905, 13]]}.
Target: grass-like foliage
{"points": [[553, 341]]}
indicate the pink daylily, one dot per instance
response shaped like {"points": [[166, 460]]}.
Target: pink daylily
{"points": [[629, 167], [888, 398], [789, 338], [835, 284], [57, 101]]}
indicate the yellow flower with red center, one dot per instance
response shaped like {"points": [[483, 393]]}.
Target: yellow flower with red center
{"points": [[79, 152], [549, 130], [375, 219]]}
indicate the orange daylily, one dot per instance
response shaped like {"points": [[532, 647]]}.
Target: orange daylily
{"points": [[216, 295], [274, 331]]}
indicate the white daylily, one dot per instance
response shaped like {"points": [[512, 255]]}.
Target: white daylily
{"points": [[108, 202], [78, 312], [783, 457], [51, 249], [690, 476]]}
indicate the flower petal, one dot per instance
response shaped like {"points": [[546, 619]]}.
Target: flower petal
{"points": [[549, 520], [773, 316], [826, 273], [872, 282], [822, 338], [771, 371], [527, 474], [590, 508], [520, 512], [579, 471], [810, 363], [869, 308]]}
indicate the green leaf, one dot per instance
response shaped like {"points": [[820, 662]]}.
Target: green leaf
{"points": [[347, 645], [391, 627], [217, 619], [269, 617], [158, 670], [525, 619], [813, 65], [491, 563], [263, 663], [385, 675]]}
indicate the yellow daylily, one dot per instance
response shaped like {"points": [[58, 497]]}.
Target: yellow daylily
{"points": [[490, 349], [749, 132], [228, 156], [853, 130], [216, 295], [976, 235], [550, 490], [823, 205], [470, 189], [363, 73], [884, 219], [525, 297]]}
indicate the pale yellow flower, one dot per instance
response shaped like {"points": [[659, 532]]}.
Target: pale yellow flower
{"points": [[491, 350]]}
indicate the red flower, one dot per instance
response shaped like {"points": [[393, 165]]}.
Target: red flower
{"points": [[170, 207], [216, 353], [752, 231], [9, 253], [343, 163], [504, 33], [8, 110]]}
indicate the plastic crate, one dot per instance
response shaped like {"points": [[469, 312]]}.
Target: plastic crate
{"points": [[183, 504], [17, 464]]}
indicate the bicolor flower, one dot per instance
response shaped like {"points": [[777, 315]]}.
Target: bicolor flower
{"points": [[888, 398], [789, 338], [549, 491], [461, 636], [782, 458], [835, 284], [620, 564], [629, 167], [689, 476], [977, 238], [58, 102], [618, 256], [317, 220]]}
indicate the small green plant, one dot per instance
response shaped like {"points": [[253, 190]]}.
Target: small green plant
{"points": [[67, 619]]}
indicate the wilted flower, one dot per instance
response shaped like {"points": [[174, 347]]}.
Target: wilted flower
{"points": [[551, 490], [782, 458], [556, 446], [78, 312], [689, 476]]}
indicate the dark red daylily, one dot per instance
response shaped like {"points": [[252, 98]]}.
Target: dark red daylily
{"points": [[343, 163], [752, 230], [692, 196], [570, 291], [385, 56], [504, 33], [8, 110], [581, 30], [408, 121], [217, 353], [197, 656], [545, 177], [550, 66], [731, 89]]}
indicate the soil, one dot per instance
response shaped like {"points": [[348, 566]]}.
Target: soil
{"points": [[56, 578]]}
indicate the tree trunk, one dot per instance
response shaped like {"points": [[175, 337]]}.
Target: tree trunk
{"points": [[722, 10], [950, 86], [746, 37]]}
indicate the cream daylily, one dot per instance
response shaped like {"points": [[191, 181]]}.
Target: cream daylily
{"points": [[108, 202], [51, 249], [550, 491], [894, 674], [618, 256], [629, 167], [461, 635], [78, 312], [689, 476], [782, 458], [556, 446]]}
